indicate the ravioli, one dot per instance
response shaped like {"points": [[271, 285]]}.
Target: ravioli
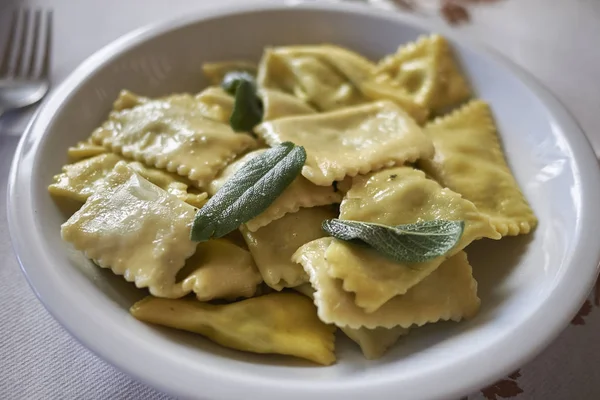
{"points": [[355, 140], [396, 196], [217, 103], [470, 161], [427, 72], [80, 180], [277, 105], [272, 246], [301, 193], [220, 270], [262, 324], [448, 293], [308, 77], [216, 71], [136, 229], [172, 133], [328, 77], [83, 150], [374, 343]]}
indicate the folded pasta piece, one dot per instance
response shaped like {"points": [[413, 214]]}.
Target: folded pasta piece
{"points": [[220, 270], [351, 141], [173, 133], [136, 229], [215, 72], [470, 161], [396, 196], [127, 100], [426, 71], [308, 77], [374, 343], [272, 246], [448, 293], [218, 104], [278, 104], [301, 193], [277, 323], [83, 150], [80, 180], [329, 77]]}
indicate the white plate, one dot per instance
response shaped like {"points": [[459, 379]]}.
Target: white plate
{"points": [[530, 286]]}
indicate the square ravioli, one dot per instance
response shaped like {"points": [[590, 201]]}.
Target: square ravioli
{"points": [[391, 197], [80, 180], [470, 161], [303, 71], [301, 193], [136, 229], [448, 293], [351, 141], [173, 133], [427, 72], [273, 245]]}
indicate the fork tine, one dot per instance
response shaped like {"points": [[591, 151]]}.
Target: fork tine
{"points": [[8, 50], [21, 50], [34, 44], [45, 72]]}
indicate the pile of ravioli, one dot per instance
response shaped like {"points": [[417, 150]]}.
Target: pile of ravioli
{"points": [[391, 142]]}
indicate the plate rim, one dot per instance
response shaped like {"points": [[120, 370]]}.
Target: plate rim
{"points": [[453, 384]]}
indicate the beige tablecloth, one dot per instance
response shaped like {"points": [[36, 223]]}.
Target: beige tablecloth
{"points": [[556, 40]]}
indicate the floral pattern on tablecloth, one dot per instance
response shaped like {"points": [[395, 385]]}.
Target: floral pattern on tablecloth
{"points": [[510, 387]]}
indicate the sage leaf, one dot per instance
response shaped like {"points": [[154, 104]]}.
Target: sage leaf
{"points": [[232, 79], [410, 243], [249, 191], [247, 108]]}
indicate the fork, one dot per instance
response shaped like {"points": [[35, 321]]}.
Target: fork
{"points": [[25, 64]]}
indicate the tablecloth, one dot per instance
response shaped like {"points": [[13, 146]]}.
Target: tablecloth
{"points": [[553, 39]]}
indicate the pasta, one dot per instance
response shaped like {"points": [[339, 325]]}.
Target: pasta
{"points": [[80, 180], [215, 103], [220, 270], [83, 150], [373, 343], [273, 245], [173, 134], [392, 197], [328, 77], [352, 141], [277, 104], [357, 212], [469, 160], [259, 325], [142, 232], [448, 293], [427, 72]]}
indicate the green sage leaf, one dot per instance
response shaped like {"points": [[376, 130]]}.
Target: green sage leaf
{"points": [[410, 243], [247, 108], [249, 191]]}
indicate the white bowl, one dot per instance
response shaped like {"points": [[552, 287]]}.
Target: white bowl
{"points": [[530, 286]]}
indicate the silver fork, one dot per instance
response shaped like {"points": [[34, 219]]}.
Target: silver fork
{"points": [[25, 64]]}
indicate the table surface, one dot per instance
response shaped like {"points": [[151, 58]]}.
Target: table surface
{"points": [[554, 40]]}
